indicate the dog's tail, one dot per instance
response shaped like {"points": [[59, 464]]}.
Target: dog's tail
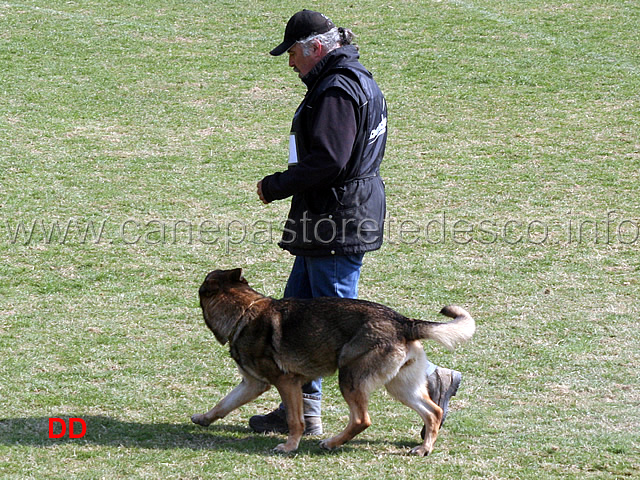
{"points": [[449, 334]]}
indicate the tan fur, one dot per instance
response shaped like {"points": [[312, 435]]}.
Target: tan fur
{"points": [[288, 342]]}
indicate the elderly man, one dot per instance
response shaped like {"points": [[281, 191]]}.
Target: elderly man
{"points": [[336, 145]]}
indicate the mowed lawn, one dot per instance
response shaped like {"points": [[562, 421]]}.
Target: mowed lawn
{"points": [[132, 135]]}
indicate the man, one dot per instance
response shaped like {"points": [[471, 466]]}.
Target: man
{"points": [[336, 145]]}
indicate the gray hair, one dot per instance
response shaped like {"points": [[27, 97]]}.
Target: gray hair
{"points": [[334, 38]]}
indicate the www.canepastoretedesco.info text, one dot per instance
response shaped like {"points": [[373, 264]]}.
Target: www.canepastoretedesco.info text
{"points": [[610, 228]]}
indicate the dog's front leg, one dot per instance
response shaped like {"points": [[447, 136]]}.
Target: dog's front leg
{"points": [[249, 389], [291, 393]]}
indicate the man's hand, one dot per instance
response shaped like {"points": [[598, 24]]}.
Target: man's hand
{"points": [[260, 194]]}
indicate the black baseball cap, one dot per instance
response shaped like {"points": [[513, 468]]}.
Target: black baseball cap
{"points": [[302, 25]]}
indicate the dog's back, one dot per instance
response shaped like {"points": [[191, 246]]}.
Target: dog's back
{"points": [[317, 336]]}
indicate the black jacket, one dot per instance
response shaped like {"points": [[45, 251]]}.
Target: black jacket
{"points": [[338, 138]]}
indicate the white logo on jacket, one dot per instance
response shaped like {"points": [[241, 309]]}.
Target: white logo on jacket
{"points": [[379, 130]]}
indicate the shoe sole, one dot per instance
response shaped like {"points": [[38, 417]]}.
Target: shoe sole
{"points": [[266, 429], [456, 379]]}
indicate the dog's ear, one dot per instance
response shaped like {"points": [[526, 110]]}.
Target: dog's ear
{"points": [[235, 275], [210, 286]]}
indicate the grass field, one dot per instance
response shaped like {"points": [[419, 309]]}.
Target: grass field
{"points": [[131, 138]]}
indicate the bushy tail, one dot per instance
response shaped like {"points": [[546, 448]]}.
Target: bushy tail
{"points": [[449, 334]]}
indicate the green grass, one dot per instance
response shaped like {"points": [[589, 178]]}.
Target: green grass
{"points": [[131, 138]]}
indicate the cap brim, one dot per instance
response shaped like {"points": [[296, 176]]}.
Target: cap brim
{"points": [[283, 47]]}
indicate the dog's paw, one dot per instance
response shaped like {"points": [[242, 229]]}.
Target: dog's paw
{"points": [[420, 451], [200, 419], [326, 445], [284, 448]]}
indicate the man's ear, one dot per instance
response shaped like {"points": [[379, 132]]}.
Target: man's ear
{"points": [[316, 48]]}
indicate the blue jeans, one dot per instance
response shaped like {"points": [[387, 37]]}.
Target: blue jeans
{"points": [[312, 277]]}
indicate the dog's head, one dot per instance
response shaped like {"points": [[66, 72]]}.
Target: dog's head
{"points": [[218, 280], [220, 303]]}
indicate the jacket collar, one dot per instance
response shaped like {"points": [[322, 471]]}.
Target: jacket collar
{"points": [[338, 57]]}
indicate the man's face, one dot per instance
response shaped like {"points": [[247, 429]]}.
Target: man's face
{"points": [[302, 64]]}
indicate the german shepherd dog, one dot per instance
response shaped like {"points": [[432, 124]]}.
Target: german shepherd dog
{"points": [[289, 342]]}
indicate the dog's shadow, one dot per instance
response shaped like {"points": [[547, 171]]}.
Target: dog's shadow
{"points": [[108, 431]]}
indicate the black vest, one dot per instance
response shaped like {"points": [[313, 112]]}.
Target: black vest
{"points": [[347, 217]]}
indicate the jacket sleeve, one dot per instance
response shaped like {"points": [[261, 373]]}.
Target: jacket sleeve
{"points": [[333, 132]]}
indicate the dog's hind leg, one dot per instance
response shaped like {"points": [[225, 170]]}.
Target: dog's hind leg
{"points": [[409, 387], [291, 393], [359, 420], [357, 397], [248, 390]]}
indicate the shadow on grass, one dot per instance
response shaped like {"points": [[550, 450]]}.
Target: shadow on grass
{"points": [[107, 431]]}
